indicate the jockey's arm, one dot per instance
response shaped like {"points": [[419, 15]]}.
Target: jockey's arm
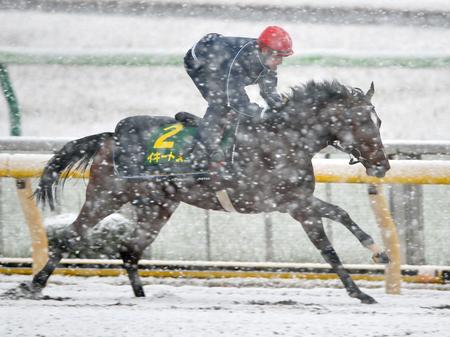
{"points": [[268, 90], [238, 100]]}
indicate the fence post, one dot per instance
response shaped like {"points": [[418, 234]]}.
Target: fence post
{"points": [[14, 113], [2, 243], [327, 222], [407, 211], [39, 242], [208, 234], [268, 231], [390, 238], [414, 225]]}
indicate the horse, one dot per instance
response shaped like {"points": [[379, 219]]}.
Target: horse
{"points": [[272, 172]]}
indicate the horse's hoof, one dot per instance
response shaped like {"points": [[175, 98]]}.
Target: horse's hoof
{"points": [[24, 290], [381, 257], [364, 298], [139, 292]]}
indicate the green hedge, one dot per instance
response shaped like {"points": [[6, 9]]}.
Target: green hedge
{"points": [[141, 59]]}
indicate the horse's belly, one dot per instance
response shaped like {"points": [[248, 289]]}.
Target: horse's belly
{"points": [[253, 202], [278, 197]]}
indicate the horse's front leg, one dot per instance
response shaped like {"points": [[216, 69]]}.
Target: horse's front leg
{"points": [[336, 213], [313, 227]]}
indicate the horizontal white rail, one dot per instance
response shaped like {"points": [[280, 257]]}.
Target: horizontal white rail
{"points": [[232, 269], [326, 170], [401, 172], [425, 269]]}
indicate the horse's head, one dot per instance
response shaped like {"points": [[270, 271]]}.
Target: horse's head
{"points": [[318, 114], [359, 132]]}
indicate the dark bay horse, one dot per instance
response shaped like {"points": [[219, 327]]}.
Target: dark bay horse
{"points": [[273, 172]]}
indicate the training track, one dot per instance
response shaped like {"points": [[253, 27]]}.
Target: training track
{"points": [[105, 307]]}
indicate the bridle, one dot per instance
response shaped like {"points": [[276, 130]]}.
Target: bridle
{"points": [[354, 154]]}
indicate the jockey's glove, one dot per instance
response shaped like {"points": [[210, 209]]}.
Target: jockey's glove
{"points": [[274, 106]]}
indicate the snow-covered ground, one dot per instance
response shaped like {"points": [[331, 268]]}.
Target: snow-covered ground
{"points": [[93, 307]]}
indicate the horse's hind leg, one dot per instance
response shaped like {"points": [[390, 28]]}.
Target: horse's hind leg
{"points": [[336, 213], [91, 213], [313, 227], [40, 279], [130, 263], [150, 220], [103, 197]]}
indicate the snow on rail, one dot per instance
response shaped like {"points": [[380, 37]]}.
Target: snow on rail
{"points": [[326, 170]]}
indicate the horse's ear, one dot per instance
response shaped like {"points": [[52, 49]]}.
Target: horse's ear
{"points": [[370, 92]]}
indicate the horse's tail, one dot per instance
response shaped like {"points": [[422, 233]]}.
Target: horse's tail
{"points": [[80, 151]]}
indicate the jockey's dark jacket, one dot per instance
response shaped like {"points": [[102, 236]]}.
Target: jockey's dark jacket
{"points": [[221, 67]]}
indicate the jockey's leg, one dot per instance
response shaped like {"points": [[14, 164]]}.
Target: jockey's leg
{"points": [[216, 118], [211, 130]]}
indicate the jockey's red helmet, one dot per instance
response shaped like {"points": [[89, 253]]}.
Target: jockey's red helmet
{"points": [[277, 39]]}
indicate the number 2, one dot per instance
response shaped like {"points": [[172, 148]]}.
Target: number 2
{"points": [[161, 142]]}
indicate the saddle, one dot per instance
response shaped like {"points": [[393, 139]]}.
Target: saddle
{"points": [[161, 148]]}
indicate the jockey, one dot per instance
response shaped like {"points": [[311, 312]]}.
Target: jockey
{"points": [[221, 67]]}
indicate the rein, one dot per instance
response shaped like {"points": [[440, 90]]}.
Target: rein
{"points": [[354, 154]]}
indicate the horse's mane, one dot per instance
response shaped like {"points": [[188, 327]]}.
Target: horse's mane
{"points": [[317, 94], [310, 98]]}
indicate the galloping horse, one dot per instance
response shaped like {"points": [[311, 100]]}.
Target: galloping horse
{"points": [[273, 172]]}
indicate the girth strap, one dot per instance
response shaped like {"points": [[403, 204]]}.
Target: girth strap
{"points": [[225, 201]]}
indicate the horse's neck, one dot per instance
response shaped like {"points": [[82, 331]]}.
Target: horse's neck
{"points": [[314, 135]]}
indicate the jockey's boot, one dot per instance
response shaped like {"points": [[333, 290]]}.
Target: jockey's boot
{"points": [[214, 165], [216, 159], [199, 158]]}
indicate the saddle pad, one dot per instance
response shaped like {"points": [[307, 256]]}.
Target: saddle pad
{"points": [[157, 148]]}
